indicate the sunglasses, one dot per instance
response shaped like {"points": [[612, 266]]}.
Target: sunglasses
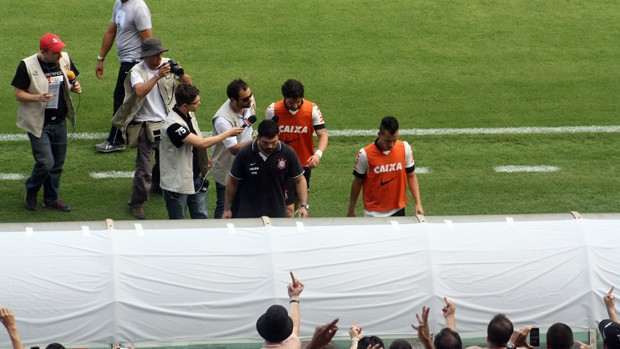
{"points": [[246, 99]]}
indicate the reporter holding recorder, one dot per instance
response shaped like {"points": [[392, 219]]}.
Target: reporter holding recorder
{"points": [[42, 89], [236, 111], [183, 157]]}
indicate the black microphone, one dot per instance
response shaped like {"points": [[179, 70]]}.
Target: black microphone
{"points": [[275, 118], [249, 121]]}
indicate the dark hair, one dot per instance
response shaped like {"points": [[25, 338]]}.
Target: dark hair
{"points": [[364, 342], [499, 330], [185, 94], [559, 336], [448, 339], [55, 346], [292, 89], [389, 124], [400, 344], [268, 129], [232, 91]]}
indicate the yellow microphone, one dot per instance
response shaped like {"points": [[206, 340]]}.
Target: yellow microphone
{"points": [[71, 76]]}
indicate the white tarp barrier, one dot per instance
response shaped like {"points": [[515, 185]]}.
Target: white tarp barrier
{"points": [[110, 286]]}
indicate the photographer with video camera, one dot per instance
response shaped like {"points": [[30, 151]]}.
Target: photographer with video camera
{"points": [[149, 97]]}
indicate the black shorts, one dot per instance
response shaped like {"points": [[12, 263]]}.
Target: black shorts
{"points": [[291, 192]]}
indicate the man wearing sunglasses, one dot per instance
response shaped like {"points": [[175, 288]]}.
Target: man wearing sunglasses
{"points": [[298, 120], [235, 112]]}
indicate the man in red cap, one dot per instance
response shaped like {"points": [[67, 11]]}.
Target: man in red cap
{"points": [[42, 89]]}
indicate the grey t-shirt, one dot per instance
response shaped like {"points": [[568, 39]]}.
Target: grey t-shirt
{"points": [[131, 17]]}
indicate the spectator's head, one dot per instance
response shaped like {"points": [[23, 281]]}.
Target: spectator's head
{"points": [[559, 336], [388, 133], [240, 94], [448, 339], [293, 93], [499, 330], [365, 341], [400, 344], [186, 94], [55, 346], [275, 325], [611, 334]]}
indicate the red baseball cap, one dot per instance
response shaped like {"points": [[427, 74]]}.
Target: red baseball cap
{"points": [[51, 42]]}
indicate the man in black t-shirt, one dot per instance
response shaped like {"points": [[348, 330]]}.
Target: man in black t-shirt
{"points": [[42, 89], [259, 174]]}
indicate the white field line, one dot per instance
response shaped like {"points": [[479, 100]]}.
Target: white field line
{"points": [[419, 170], [413, 132], [11, 176], [112, 174], [526, 169], [129, 174]]}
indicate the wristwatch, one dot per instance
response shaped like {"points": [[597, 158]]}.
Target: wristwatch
{"points": [[306, 206], [510, 345]]}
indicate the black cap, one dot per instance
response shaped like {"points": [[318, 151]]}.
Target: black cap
{"points": [[611, 333]]}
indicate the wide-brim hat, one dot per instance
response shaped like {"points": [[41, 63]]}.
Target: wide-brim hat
{"points": [[152, 46], [275, 325]]}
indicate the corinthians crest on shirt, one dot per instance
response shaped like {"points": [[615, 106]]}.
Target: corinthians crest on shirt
{"points": [[281, 163]]}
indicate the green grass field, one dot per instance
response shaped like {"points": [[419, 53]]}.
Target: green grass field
{"points": [[457, 64]]}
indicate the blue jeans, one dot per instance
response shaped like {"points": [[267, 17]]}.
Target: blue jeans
{"points": [[177, 203], [49, 152]]}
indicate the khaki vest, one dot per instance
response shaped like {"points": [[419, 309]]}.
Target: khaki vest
{"points": [[31, 115], [222, 158], [176, 168], [132, 103]]}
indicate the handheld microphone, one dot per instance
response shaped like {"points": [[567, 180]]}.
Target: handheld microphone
{"points": [[249, 121], [275, 118], [71, 76]]}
